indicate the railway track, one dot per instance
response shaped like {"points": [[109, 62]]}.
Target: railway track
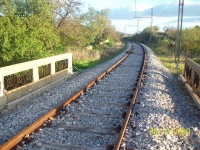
{"points": [[95, 117]]}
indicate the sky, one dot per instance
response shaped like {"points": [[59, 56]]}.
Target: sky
{"points": [[112, 4], [130, 25]]}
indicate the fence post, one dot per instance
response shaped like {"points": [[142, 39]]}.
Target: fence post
{"points": [[35, 74], [53, 70], [70, 71], [184, 69], [192, 78], [1, 85]]}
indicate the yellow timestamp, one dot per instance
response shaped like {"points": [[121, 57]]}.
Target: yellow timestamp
{"points": [[170, 131]]}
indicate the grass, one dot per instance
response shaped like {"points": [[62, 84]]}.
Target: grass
{"points": [[168, 59], [85, 59], [169, 62]]}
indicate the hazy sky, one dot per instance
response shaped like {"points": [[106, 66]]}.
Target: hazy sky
{"points": [[141, 4], [112, 4], [129, 26]]}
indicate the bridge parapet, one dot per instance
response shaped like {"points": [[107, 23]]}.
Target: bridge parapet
{"points": [[191, 77], [41, 71]]}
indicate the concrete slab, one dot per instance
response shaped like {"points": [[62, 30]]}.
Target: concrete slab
{"points": [[3, 100]]}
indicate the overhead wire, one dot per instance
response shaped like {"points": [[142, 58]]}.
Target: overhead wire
{"points": [[166, 9], [159, 6], [164, 2]]}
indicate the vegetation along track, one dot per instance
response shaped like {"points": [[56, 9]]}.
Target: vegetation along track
{"points": [[95, 117]]}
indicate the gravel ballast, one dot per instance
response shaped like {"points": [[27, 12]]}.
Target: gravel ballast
{"points": [[14, 121], [93, 121], [165, 117], [162, 108]]}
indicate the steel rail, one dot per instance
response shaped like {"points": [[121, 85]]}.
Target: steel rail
{"points": [[135, 93], [17, 139]]}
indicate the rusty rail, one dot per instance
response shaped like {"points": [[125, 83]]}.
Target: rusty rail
{"points": [[17, 140], [191, 77], [140, 77]]}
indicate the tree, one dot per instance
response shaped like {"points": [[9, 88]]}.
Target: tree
{"points": [[171, 33], [67, 21], [90, 28], [98, 25], [73, 33], [66, 10], [112, 34], [26, 31], [191, 41], [31, 29], [145, 35]]}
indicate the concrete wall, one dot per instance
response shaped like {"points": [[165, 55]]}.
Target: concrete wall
{"points": [[10, 96], [195, 69], [188, 78]]}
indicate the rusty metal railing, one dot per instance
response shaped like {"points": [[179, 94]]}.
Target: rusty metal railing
{"points": [[44, 71], [192, 75], [61, 65], [18, 79]]}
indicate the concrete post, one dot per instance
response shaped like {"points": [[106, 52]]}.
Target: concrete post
{"points": [[35, 74], [70, 71], [192, 78], [1, 85], [53, 70]]}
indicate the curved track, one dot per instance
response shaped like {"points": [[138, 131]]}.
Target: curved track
{"points": [[95, 117]]}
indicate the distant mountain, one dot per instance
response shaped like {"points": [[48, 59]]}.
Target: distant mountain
{"points": [[160, 10]]}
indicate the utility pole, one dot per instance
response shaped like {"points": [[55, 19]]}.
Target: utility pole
{"points": [[135, 9], [136, 16], [138, 19], [178, 33], [151, 25]]}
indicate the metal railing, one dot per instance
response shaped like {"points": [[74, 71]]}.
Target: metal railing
{"points": [[60, 65], [16, 80]]}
